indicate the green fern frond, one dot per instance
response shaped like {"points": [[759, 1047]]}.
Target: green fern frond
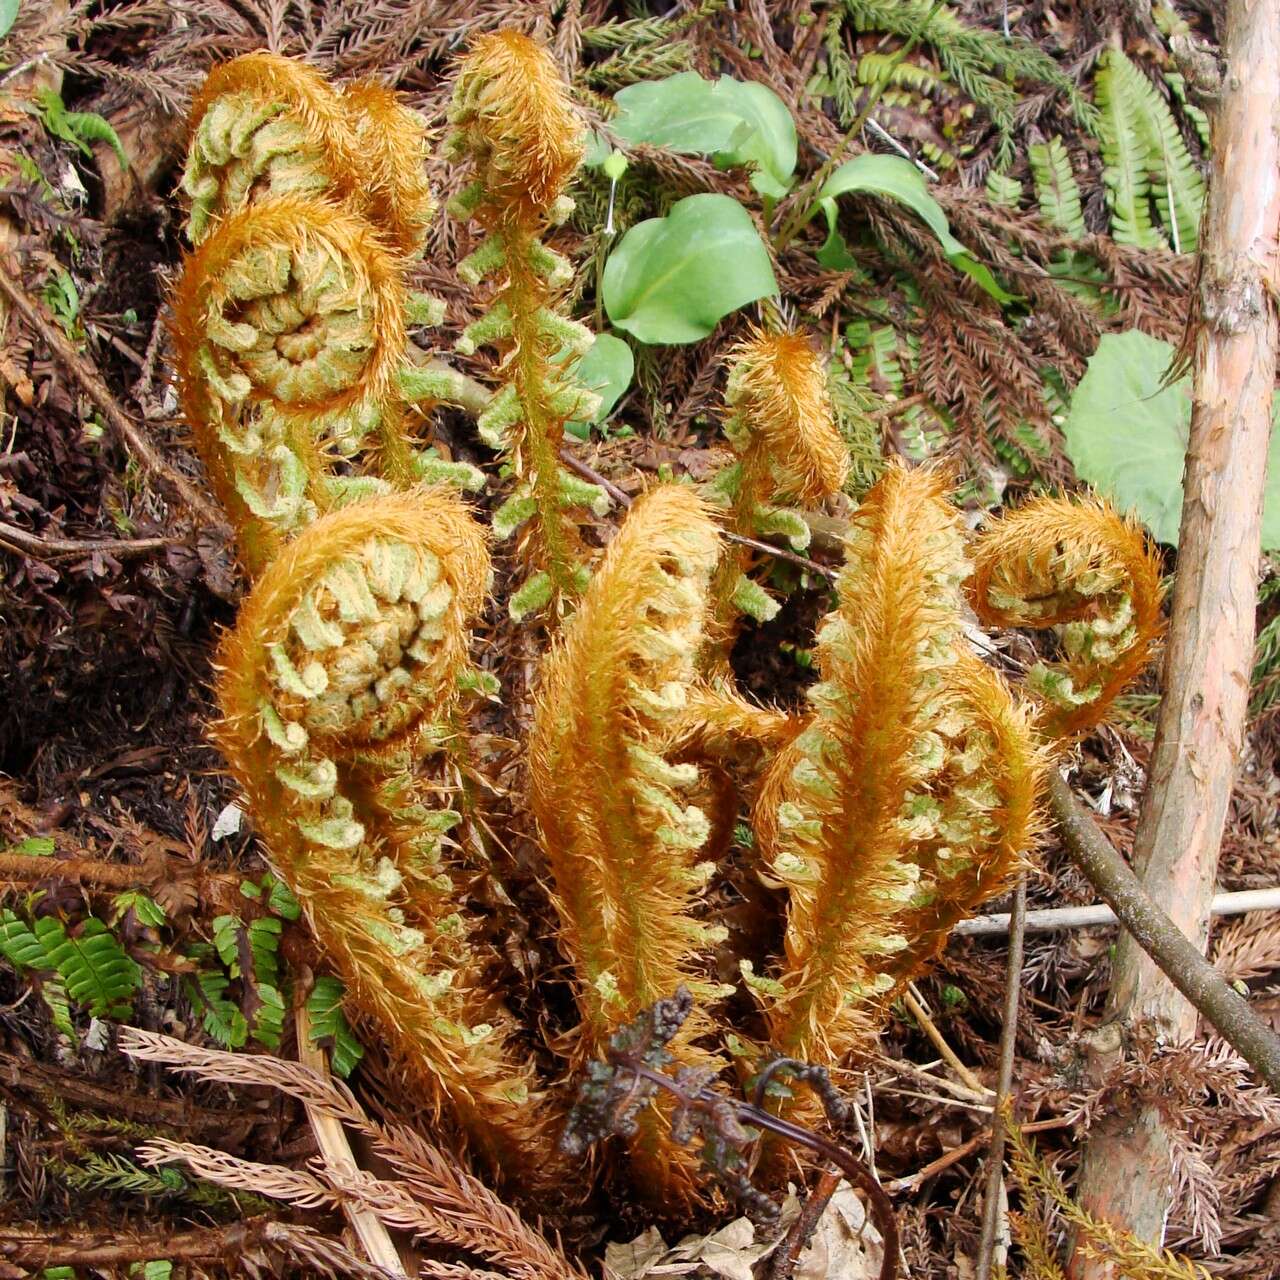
{"points": [[982, 63], [1003, 190], [1145, 161], [1057, 191], [90, 962], [80, 128]]}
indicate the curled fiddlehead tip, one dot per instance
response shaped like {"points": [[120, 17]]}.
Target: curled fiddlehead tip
{"points": [[359, 629], [1078, 565], [512, 108], [288, 327], [392, 142], [264, 125], [778, 388]]}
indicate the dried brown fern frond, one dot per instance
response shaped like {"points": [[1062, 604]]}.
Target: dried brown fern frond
{"points": [[513, 118], [620, 835], [837, 817], [338, 676], [790, 453], [289, 326], [1078, 565], [433, 1195]]}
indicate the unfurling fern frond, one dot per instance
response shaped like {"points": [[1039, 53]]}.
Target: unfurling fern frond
{"points": [[513, 118], [1078, 566], [289, 327], [338, 676], [1056, 186], [790, 453], [620, 833], [263, 125], [839, 811]]}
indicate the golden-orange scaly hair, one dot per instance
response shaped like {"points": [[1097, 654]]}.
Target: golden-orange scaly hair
{"points": [[339, 675], [620, 833], [1075, 564]]}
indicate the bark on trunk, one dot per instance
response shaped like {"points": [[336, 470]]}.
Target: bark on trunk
{"points": [[1126, 1173]]}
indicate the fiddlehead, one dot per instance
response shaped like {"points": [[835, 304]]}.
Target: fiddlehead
{"points": [[619, 832], [341, 669], [1078, 566], [513, 118], [838, 813], [263, 125], [789, 454], [288, 325]]}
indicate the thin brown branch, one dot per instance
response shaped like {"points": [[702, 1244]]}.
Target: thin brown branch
{"points": [[29, 544], [1004, 1081], [126, 430], [1157, 935]]}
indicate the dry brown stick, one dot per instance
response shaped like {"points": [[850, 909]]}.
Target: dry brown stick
{"points": [[1126, 1173], [624, 500], [1160, 939], [335, 1151], [966, 1148], [930, 1028], [30, 544], [26, 868], [37, 1248], [1004, 1081], [801, 1232], [126, 430]]}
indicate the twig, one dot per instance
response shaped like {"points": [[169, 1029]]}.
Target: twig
{"points": [[34, 1247], [124, 427], [624, 500], [336, 1152], [29, 544], [1161, 939], [1004, 1082], [802, 1229], [966, 1148], [1052, 919], [27, 868], [920, 1014]]}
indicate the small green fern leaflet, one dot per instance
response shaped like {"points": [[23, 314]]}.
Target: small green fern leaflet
{"points": [[1056, 188], [330, 1028], [89, 962], [80, 128]]}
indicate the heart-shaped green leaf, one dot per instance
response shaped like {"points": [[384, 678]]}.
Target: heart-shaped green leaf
{"points": [[606, 369], [672, 279], [737, 122], [1126, 435], [899, 180]]}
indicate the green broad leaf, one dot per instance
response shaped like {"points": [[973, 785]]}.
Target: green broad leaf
{"points": [[737, 122], [8, 15], [606, 369], [671, 280], [146, 910], [897, 179], [1126, 435]]}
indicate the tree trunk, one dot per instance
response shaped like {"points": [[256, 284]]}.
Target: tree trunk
{"points": [[1127, 1169]]}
